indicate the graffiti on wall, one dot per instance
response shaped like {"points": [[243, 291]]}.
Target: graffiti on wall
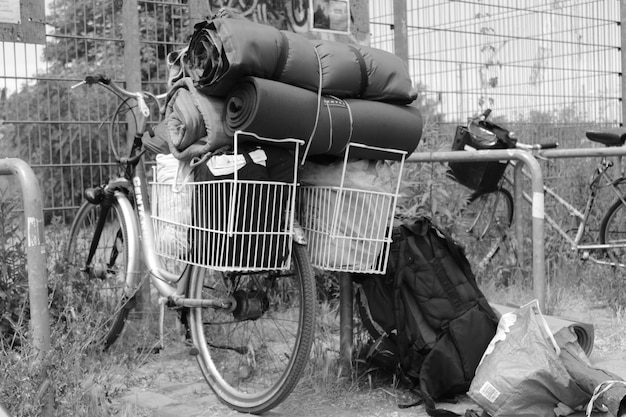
{"points": [[282, 14], [294, 15]]}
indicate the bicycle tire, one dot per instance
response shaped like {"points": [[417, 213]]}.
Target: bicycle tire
{"points": [[105, 283], [483, 223], [253, 363], [613, 230]]}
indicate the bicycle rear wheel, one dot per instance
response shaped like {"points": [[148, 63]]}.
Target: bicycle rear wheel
{"points": [[613, 231], [482, 226], [253, 356], [105, 280]]}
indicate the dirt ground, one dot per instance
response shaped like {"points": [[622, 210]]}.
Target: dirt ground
{"points": [[170, 384]]}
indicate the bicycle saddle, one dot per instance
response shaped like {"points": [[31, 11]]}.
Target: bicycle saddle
{"points": [[609, 137]]}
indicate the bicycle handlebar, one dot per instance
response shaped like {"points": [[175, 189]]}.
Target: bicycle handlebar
{"points": [[537, 146], [140, 96], [124, 95], [524, 146]]}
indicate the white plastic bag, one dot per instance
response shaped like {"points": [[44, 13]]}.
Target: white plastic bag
{"points": [[521, 373], [173, 209]]}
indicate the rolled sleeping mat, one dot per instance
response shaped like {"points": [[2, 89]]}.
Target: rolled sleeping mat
{"points": [[584, 332], [194, 121], [223, 50], [278, 110]]}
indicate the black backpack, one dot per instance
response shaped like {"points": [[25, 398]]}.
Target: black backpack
{"points": [[429, 321]]}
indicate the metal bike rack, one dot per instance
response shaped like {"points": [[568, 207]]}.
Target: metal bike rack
{"points": [[36, 255], [554, 154], [539, 282]]}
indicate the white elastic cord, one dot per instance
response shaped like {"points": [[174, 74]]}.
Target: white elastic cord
{"points": [[351, 122], [598, 391], [319, 100]]}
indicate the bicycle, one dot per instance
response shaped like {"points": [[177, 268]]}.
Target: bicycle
{"points": [[251, 325], [491, 210]]}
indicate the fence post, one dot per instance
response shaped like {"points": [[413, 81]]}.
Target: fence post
{"points": [[35, 261], [622, 9], [132, 76], [346, 308], [400, 31]]}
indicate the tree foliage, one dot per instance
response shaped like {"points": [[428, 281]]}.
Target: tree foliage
{"points": [[55, 128]]}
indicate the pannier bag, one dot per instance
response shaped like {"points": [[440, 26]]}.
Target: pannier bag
{"points": [[242, 223], [480, 176]]}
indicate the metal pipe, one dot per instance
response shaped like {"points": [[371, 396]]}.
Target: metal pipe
{"points": [[518, 218], [35, 267], [583, 152], [35, 250], [345, 318], [539, 281]]}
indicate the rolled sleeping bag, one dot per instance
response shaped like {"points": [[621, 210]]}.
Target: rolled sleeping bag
{"points": [[194, 121], [223, 50], [277, 110]]}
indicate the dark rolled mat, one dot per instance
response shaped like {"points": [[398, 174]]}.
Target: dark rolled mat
{"points": [[223, 50], [277, 110]]}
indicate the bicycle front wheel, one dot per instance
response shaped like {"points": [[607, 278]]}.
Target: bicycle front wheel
{"points": [[253, 354], [483, 225], [613, 231], [103, 287]]}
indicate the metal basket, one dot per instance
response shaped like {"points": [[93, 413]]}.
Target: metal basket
{"points": [[349, 229], [230, 224]]}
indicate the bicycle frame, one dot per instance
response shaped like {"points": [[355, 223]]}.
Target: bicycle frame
{"points": [[601, 172], [170, 286]]}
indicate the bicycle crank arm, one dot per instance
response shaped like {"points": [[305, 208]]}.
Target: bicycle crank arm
{"points": [[226, 304]]}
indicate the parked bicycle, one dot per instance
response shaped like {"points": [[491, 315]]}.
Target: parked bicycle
{"points": [[251, 323], [490, 212]]}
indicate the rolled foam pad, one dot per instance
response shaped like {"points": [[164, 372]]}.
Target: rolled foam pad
{"points": [[277, 110]]}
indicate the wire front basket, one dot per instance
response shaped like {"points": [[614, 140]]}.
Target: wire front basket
{"points": [[227, 224], [349, 229]]}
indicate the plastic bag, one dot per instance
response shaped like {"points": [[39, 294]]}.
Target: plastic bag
{"points": [[174, 202], [521, 373], [361, 174], [347, 226]]}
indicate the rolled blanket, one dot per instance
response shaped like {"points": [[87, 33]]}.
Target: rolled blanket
{"points": [[277, 110], [194, 121], [223, 50]]}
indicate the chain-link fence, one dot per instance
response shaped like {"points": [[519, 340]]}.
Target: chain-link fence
{"points": [[550, 68]]}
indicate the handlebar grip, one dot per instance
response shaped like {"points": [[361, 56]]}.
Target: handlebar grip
{"points": [[486, 114], [98, 78], [549, 145]]}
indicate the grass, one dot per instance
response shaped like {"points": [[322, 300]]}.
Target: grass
{"points": [[84, 381]]}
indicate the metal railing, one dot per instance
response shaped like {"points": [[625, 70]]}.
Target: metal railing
{"points": [[36, 259]]}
